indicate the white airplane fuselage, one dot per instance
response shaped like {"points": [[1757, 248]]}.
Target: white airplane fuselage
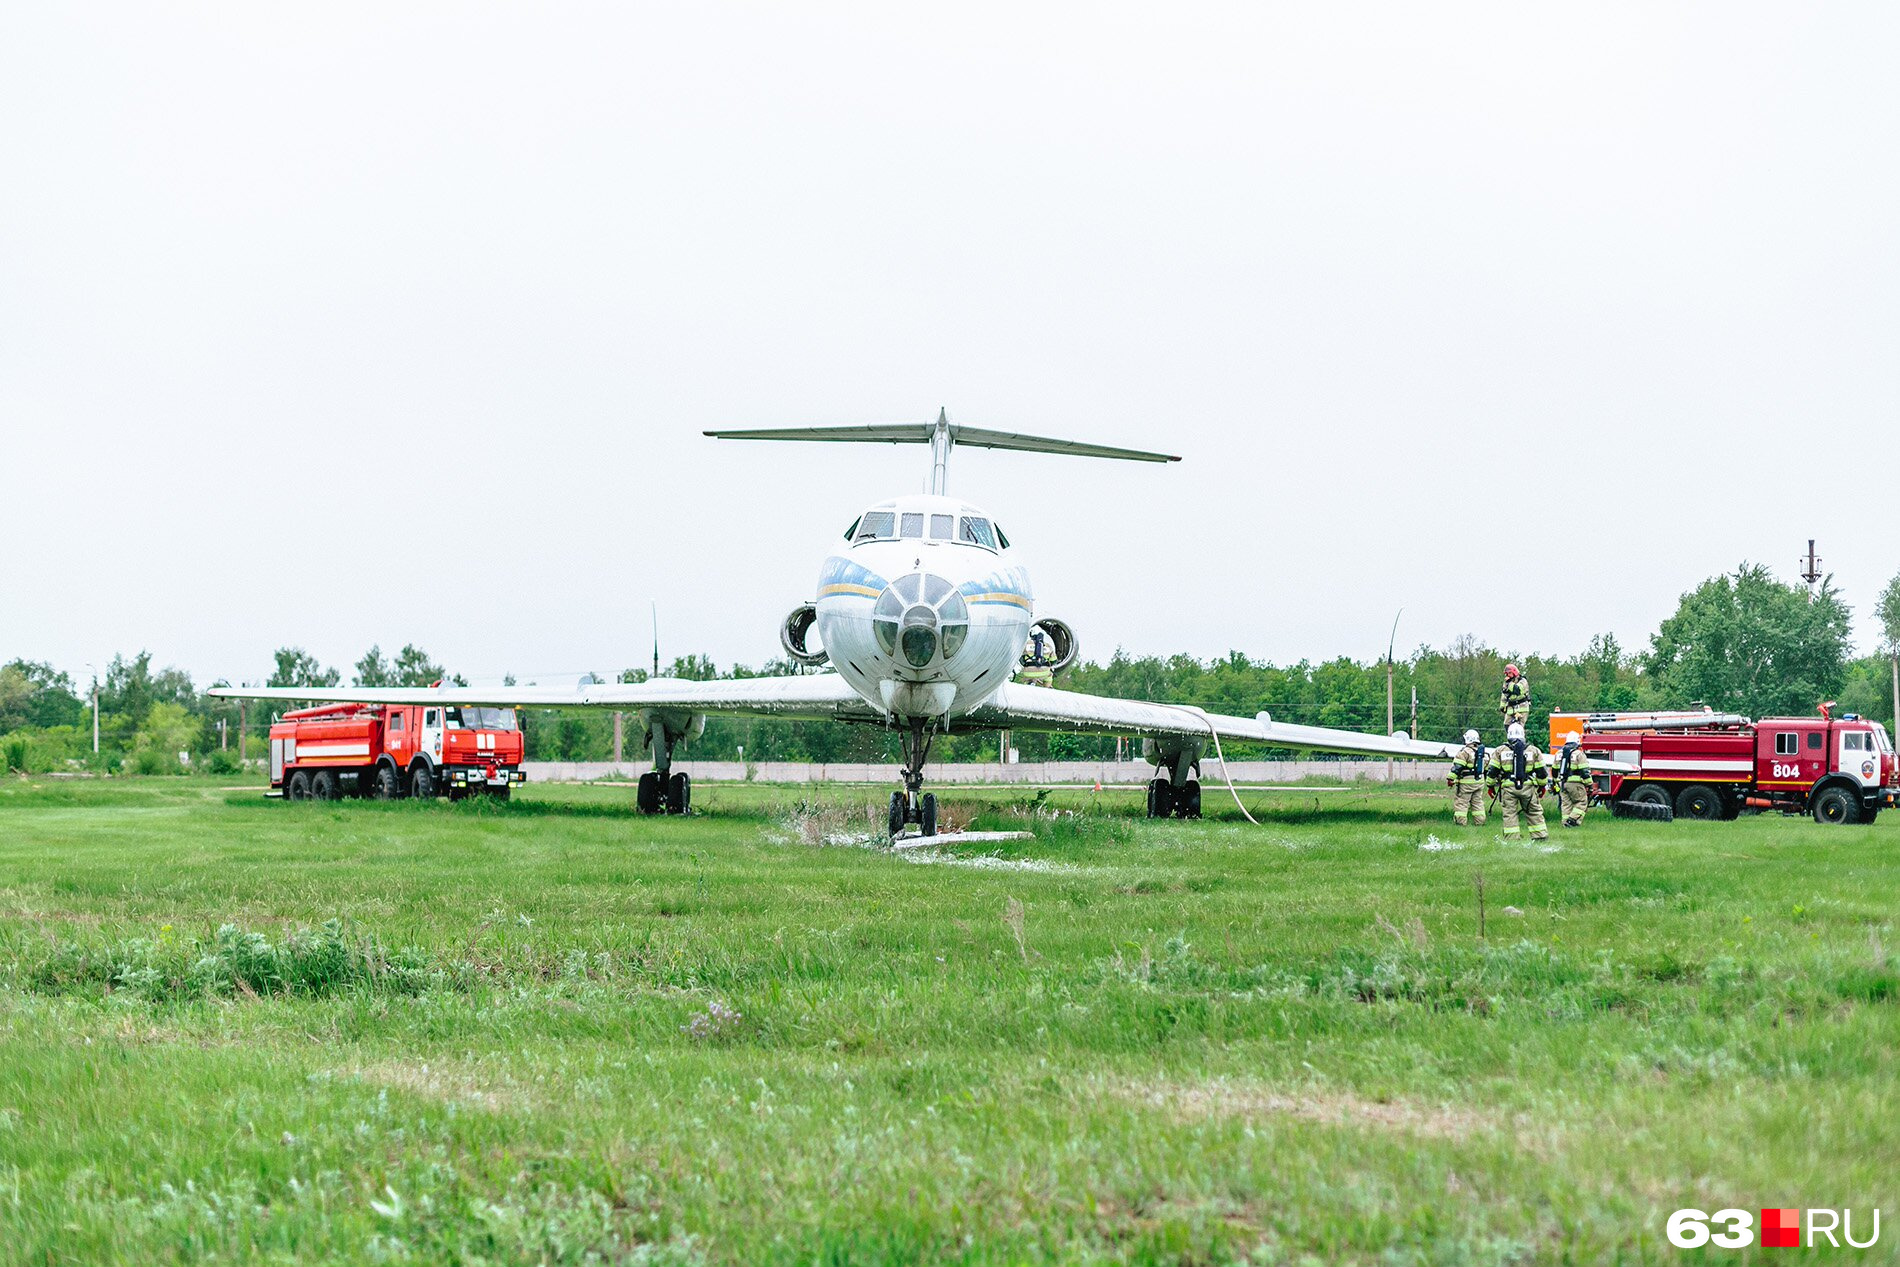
{"points": [[927, 621]]}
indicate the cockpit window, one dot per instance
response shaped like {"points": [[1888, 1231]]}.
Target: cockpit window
{"points": [[976, 531], [876, 525], [852, 531], [1001, 539], [940, 527], [913, 525]]}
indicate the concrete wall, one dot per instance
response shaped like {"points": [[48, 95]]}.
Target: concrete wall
{"points": [[1033, 772]]}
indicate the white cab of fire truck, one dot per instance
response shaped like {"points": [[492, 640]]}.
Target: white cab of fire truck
{"points": [[1866, 756]]}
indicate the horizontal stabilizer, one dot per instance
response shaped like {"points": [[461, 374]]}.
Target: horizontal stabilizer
{"points": [[924, 433]]}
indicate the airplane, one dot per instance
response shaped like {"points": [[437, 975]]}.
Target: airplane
{"points": [[922, 612]]}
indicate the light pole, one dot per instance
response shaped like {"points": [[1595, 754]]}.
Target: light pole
{"points": [[1389, 644], [95, 708]]}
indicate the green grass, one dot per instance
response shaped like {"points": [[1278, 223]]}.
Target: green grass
{"points": [[553, 1031]]}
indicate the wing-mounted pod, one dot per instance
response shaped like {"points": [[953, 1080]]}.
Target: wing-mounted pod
{"points": [[793, 633], [1062, 645]]}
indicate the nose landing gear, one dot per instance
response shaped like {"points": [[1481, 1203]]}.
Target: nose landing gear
{"points": [[913, 804]]}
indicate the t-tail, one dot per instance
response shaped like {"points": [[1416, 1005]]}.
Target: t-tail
{"points": [[942, 436]]}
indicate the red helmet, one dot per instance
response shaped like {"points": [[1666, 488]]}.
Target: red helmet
{"points": [[1510, 670]]}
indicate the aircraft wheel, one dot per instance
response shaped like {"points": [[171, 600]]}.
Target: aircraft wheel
{"points": [[897, 815], [1836, 805], [647, 798], [298, 788], [679, 793], [930, 814], [1700, 802], [1190, 802], [1160, 799], [388, 784], [324, 786]]}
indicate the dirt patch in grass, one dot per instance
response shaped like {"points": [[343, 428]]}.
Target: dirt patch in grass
{"points": [[1221, 1099], [445, 1083]]}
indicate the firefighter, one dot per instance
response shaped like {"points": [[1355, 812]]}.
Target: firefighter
{"points": [[1466, 781], [1517, 778], [1038, 663], [1573, 780], [1514, 701]]}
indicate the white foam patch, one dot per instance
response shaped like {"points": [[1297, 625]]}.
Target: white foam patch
{"points": [[990, 862], [1432, 844]]}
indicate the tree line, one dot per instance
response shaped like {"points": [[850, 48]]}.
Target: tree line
{"points": [[1742, 642]]}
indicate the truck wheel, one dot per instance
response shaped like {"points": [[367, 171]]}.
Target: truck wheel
{"points": [[422, 782], [1836, 805], [324, 786], [1650, 794], [1700, 802], [387, 784], [298, 789]]}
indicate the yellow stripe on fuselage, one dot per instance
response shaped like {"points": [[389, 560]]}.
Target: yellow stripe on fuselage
{"points": [[864, 591], [1014, 600]]}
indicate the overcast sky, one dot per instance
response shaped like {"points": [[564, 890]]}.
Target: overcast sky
{"points": [[337, 324]]}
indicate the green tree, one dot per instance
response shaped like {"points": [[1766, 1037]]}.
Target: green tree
{"points": [[413, 667], [1749, 644], [297, 667], [1888, 609], [169, 729], [36, 695], [374, 670]]}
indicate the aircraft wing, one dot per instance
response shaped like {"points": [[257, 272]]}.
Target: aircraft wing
{"points": [[804, 697], [1019, 706]]}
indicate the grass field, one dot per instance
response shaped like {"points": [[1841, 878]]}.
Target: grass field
{"points": [[552, 1031]]}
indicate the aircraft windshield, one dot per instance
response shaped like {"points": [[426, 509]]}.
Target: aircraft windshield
{"points": [[976, 531], [479, 718], [876, 526]]}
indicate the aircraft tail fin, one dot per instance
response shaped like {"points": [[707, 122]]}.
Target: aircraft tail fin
{"points": [[927, 432]]}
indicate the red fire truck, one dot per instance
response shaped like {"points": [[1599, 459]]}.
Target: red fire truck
{"points": [[1715, 765], [394, 750]]}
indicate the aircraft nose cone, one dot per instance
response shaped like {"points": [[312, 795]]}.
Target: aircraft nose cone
{"points": [[921, 618]]}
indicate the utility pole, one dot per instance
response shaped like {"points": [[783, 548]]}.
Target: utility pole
{"points": [[243, 734], [1415, 710], [1389, 644], [620, 735], [95, 709], [1810, 566]]}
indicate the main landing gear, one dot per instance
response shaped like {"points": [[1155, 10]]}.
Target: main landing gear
{"points": [[913, 804], [661, 792], [1168, 801]]}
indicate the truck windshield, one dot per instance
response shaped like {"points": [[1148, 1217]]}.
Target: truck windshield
{"points": [[480, 719], [1881, 741]]}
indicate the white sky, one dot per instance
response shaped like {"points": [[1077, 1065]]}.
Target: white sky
{"points": [[349, 324]]}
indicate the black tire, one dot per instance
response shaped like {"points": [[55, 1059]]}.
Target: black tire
{"points": [[1835, 805], [422, 781], [298, 786], [679, 793], [897, 814], [499, 793], [928, 814], [1651, 794], [1160, 799], [1189, 805], [387, 784], [1867, 816], [646, 797], [1700, 802], [324, 787]]}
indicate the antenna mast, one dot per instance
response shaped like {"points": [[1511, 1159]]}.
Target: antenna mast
{"points": [[1811, 566], [656, 638]]}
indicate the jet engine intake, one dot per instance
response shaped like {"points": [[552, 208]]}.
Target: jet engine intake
{"points": [[795, 630], [1062, 643]]}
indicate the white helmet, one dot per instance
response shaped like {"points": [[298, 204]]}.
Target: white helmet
{"points": [[1573, 737], [1514, 731], [1471, 736]]}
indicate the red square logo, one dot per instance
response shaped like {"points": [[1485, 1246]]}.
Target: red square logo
{"points": [[1781, 1229]]}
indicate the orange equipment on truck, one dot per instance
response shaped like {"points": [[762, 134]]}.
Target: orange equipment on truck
{"points": [[394, 750], [1714, 765]]}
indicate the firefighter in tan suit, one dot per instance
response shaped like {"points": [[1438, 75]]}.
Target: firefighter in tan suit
{"points": [[1573, 780], [1517, 780], [1514, 699], [1466, 781]]}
